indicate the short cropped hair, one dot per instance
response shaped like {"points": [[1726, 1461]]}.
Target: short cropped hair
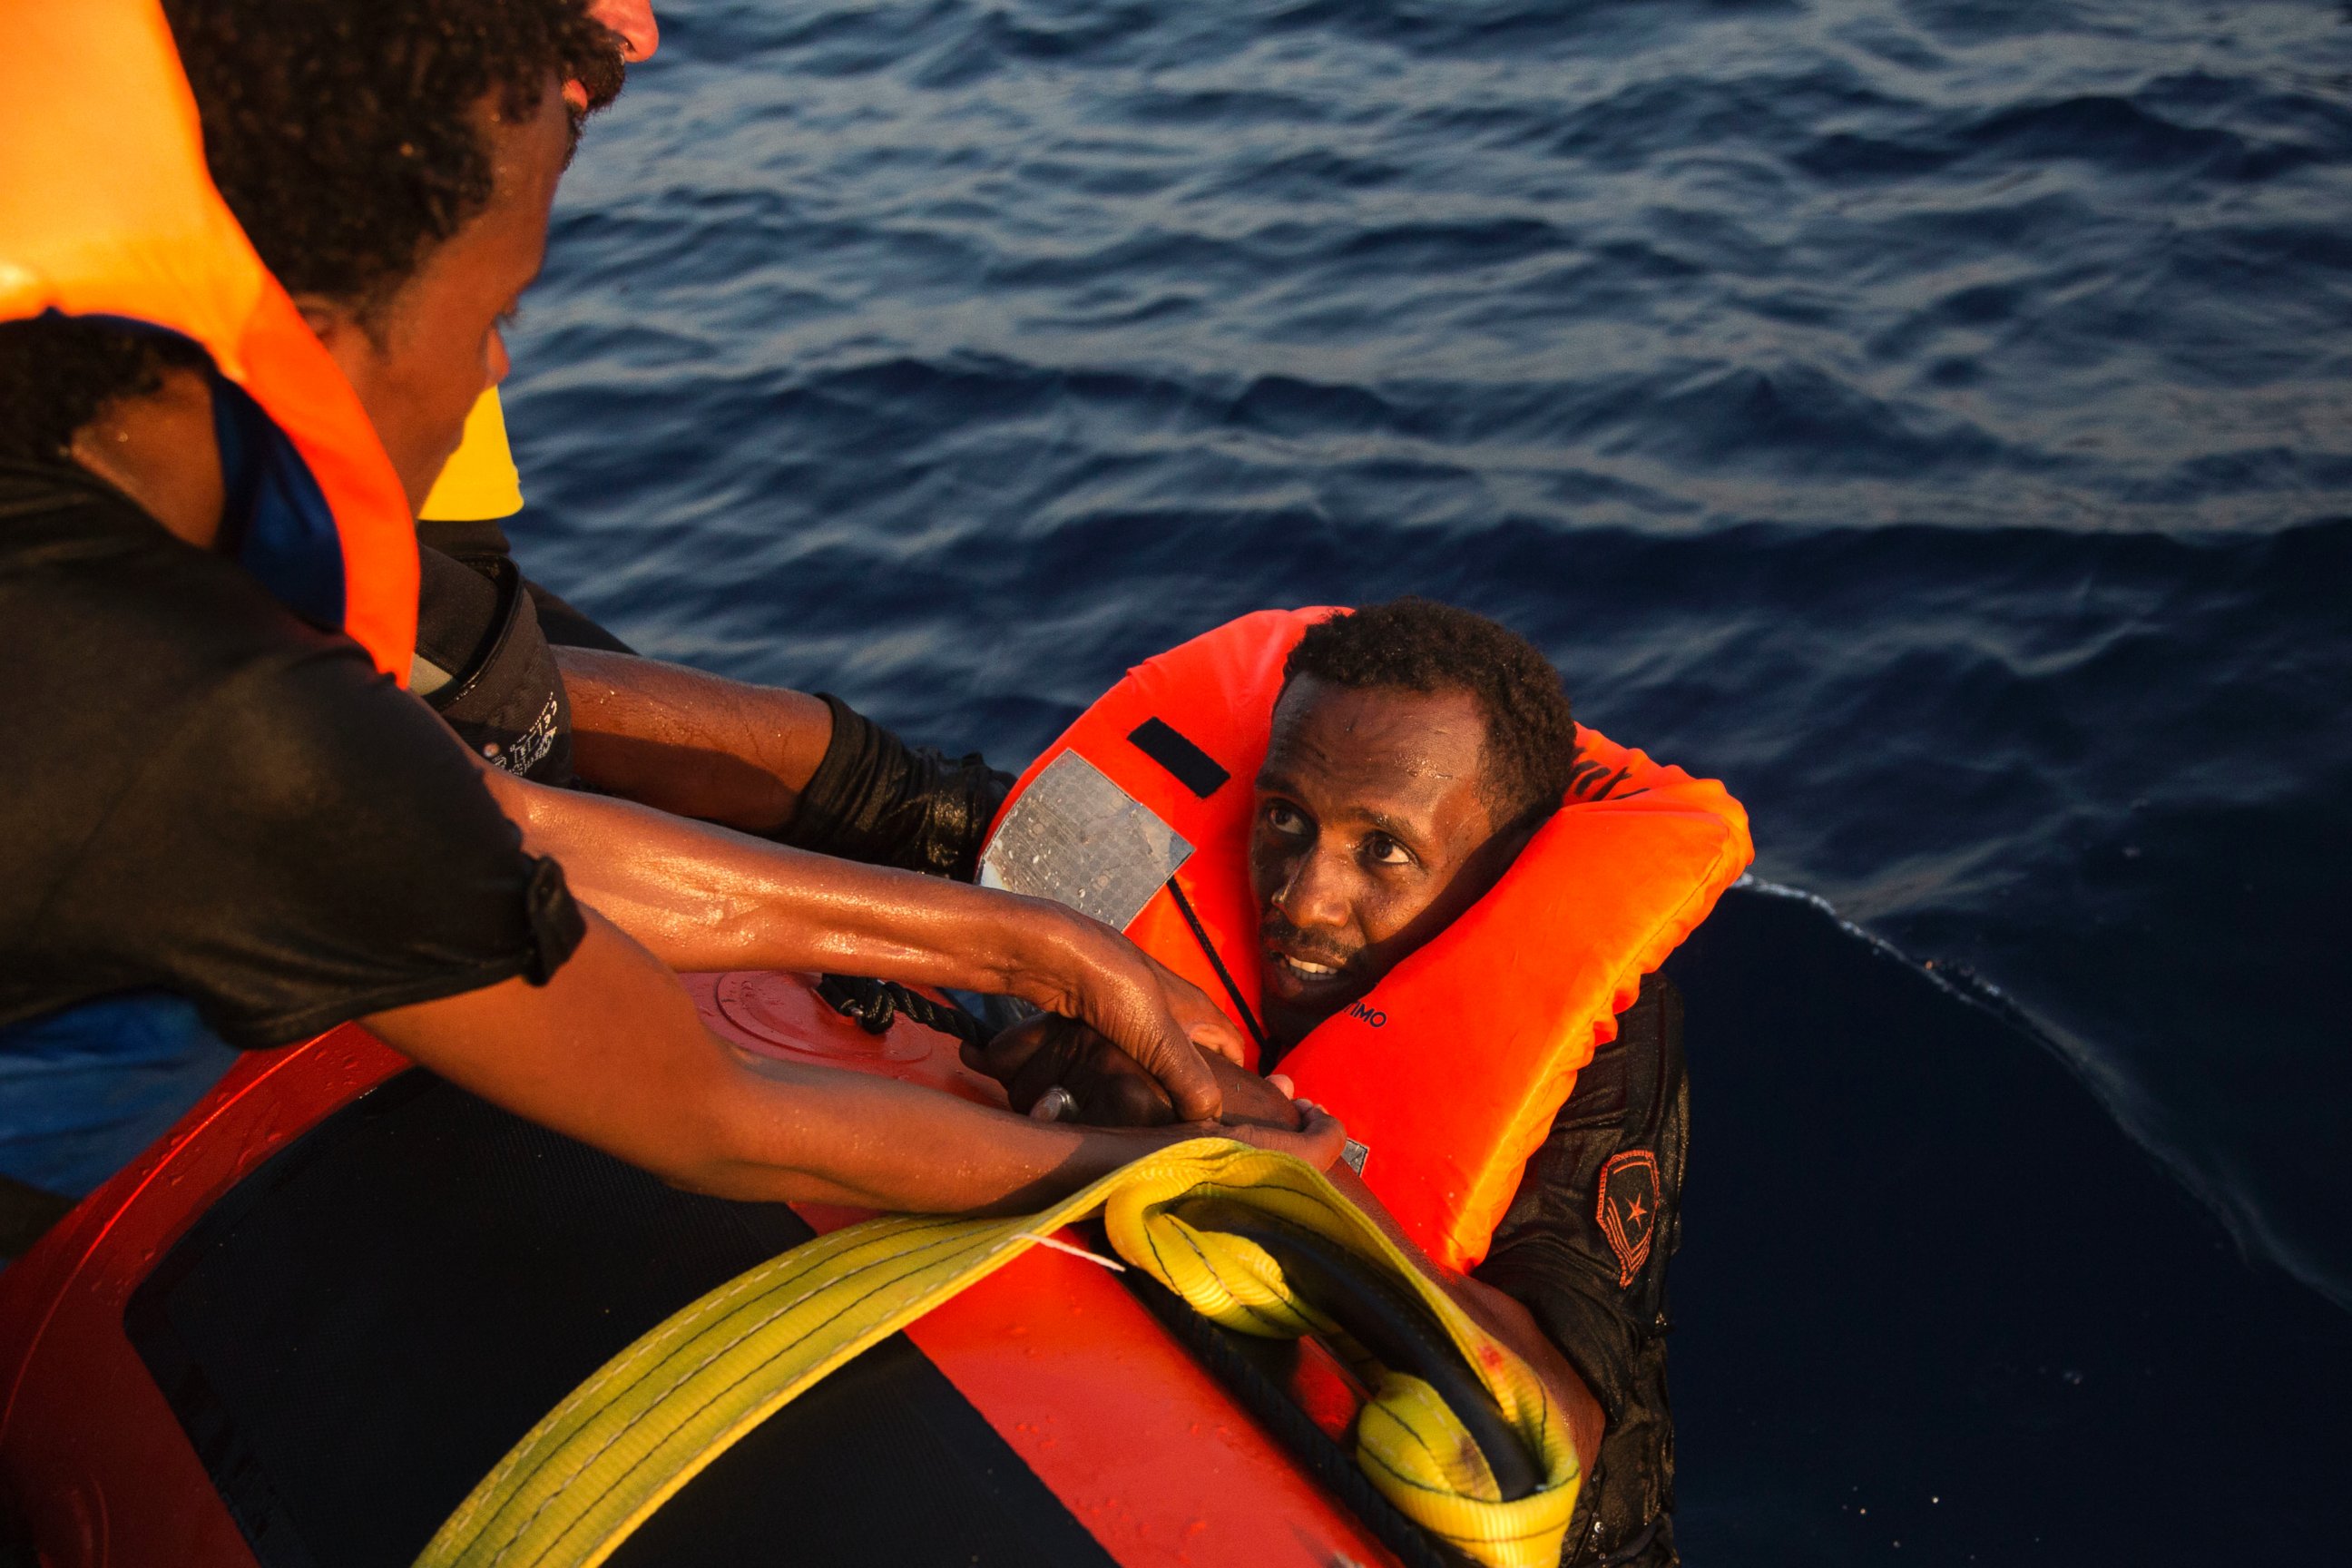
{"points": [[341, 133], [1420, 645]]}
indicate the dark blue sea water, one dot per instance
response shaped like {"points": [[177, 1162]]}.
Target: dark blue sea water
{"points": [[1929, 417]]}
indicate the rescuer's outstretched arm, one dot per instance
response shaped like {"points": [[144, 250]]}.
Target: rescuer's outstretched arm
{"points": [[690, 742], [703, 898], [611, 1051], [809, 772]]}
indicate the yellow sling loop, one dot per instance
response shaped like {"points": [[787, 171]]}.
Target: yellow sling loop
{"points": [[650, 1420]]}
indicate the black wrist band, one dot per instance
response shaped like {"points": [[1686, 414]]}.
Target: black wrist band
{"points": [[876, 799]]}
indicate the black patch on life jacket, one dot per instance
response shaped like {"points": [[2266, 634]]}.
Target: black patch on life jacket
{"points": [[1195, 768], [1629, 1209]]}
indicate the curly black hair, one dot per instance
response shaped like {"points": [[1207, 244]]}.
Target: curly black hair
{"points": [[1420, 645], [342, 134]]}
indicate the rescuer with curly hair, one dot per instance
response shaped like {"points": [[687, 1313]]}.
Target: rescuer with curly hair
{"points": [[372, 93], [221, 812]]}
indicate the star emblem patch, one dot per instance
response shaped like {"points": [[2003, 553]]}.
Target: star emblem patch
{"points": [[1629, 1209]]}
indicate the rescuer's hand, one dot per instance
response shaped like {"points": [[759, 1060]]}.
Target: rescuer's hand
{"points": [[1318, 1140], [611, 1050], [1121, 963], [1204, 1023], [1100, 1085], [1059, 1070], [1261, 1101], [1171, 1029], [704, 898]]}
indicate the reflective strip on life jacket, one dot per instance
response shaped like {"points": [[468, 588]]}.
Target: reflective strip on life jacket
{"points": [[107, 209], [1451, 1069]]}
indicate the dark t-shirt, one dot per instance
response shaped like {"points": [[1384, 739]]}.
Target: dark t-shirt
{"points": [[207, 796]]}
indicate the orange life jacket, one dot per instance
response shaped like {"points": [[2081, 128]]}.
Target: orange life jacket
{"points": [[107, 209], [1452, 1069]]}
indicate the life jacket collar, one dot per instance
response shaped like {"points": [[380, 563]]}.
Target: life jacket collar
{"points": [[107, 210]]}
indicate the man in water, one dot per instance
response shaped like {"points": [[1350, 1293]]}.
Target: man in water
{"points": [[1415, 749]]}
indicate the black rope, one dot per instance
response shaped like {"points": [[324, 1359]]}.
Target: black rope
{"points": [[872, 1004], [1292, 1427], [1201, 935]]}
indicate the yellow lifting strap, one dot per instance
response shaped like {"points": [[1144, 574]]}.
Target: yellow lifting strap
{"points": [[648, 1420]]}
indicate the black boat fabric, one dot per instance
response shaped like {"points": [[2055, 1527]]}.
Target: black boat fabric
{"points": [[363, 1328], [209, 797]]}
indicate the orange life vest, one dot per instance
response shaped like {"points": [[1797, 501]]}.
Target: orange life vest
{"points": [[1452, 1069], [107, 209]]}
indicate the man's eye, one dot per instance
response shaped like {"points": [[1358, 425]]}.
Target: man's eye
{"points": [[1382, 850], [1284, 820]]}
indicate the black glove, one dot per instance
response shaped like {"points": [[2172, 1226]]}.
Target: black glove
{"points": [[877, 800]]}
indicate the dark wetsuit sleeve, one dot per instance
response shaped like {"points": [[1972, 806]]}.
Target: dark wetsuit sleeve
{"points": [[481, 544], [304, 846], [484, 664], [1594, 1279], [875, 798], [566, 624]]}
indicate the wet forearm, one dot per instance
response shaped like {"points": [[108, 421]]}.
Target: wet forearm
{"points": [[704, 897], [612, 1052], [883, 1145], [1513, 1324], [690, 742]]}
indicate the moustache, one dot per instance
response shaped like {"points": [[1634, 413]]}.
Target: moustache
{"points": [[1274, 931]]}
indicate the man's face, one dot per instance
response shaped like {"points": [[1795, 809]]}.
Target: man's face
{"points": [[420, 361], [1373, 834]]}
